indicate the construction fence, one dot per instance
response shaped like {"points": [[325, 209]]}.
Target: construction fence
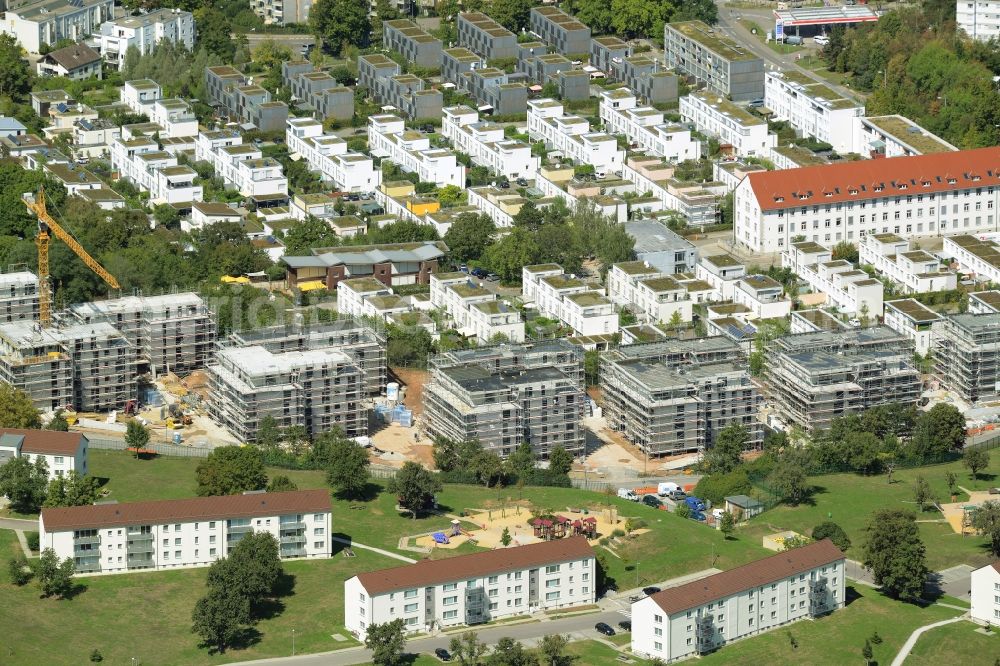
{"points": [[162, 448]]}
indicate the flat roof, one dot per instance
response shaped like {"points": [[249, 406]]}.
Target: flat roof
{"points": [[908, 133], [914, 310], [712, 39]]}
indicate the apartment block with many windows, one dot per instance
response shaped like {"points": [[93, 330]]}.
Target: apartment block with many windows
{"points": [[722, 64], [980, 19], [481, 34], [747, 135], [895, 136], [63, 452], [473, 589], [172, 534], [812, 108], [412, 151], [566, 34], [705, 615], [572, 136], [967, 355], [144, 33], [986, 594], [485, 143], [328, 155], [915, 271], [18, 296], [412, 42], [645, 128]]}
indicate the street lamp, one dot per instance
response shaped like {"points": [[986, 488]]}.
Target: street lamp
{"points": [[885, 77], [637, 573], [293, 642]]}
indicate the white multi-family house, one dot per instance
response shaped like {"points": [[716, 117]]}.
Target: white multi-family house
{"points": [[707, 614], [984, 302], [975, 255], [388, 138], [568, 299], [63, 452], [169, 534], [602, 192], [744, 133], [847, 288], [327, 154], [243, 167], [175, 117], [351, 294], [475, 588], [475, 312], [645, 128], [721, 271], [206, 213], [144, 33], [915, 271], [812, 108], [47, 22], [697, 202], [139, 95], [155, 171], [486, 145], [763, 295], [986, 594], [913, 319], [572, 136], [208, 143], [895, 136], [650, 294], [926, 195]]}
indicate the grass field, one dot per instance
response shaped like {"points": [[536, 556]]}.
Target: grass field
{"points": [[839, 637], [147, 615], [957, 643], [848, 500]]}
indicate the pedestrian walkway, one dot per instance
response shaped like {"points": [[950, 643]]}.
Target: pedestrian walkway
{"points": [[904, 652], [387, 553]]}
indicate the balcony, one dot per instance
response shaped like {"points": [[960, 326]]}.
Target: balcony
{"points": [[85, 552], [293, 552], [292, 525], [293, 538], [80, 541], [90, 566], [239, 529], [139, 547]]}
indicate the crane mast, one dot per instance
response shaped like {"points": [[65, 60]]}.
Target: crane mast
{"points": [[47, 224]]}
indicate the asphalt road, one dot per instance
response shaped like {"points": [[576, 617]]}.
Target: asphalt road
{"points": [[580, 627], [18, 524]]}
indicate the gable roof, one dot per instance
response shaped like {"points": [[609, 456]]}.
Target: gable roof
{"points": [[463, 567], [867, 179], [186, 510], [46, 442], [73, 56], [762, 572]]}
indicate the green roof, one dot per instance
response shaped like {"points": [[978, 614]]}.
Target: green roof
{"points": [[713, 39]]}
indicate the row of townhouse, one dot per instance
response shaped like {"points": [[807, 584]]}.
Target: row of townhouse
{"points": [[45, 22], [643, 75], [738, 130], [475, 311], [484, 36], [977, 256], [652, 295], [62, 452], [913, 319], [572, 136], [503, 396], [914, 271], [367, 297], [383, 78], [152, 170], [412, 42], [812, 108], [566, 34], [144, 32], [644, 127], [895, 136], [847, 288], [535, 62], [388, 138], [168, 534], [925, 195], [504, 94], [721, 272], [317, 91], [568, 299], [328, 155], [242, 166], [486, 145], [233, 96], [603, 192], [174, 117], [698, 203]]}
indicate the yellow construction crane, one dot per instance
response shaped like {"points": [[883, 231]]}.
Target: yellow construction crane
{"points": [[45, 225]]}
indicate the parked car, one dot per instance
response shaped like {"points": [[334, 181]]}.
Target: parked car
{"points": [[699, 516], [479, 273], [625, 625], [463, 268], [650, 591], [630, 495], [795, 40], [677, 495], [822, 40], [442, 654], [652, 501], [757, 103], [695, 504], [503, 185], [856, 323], [492, 277], [604, 628], [522, 182], [665, 488]]}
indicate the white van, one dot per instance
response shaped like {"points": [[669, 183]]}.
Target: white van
{"points": [[625, 493], [665, 488]]}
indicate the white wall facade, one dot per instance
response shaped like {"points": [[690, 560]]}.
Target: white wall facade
{"points": [[980, 19], [823, 118], [986, 595], [486, 145], [327, 154], [61, 20], [720, 118], [388, 138], [572, 136], [144, 33], [914, 271], [644, 127]]}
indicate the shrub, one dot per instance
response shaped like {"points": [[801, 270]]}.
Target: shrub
{"points": [[618, 532]]}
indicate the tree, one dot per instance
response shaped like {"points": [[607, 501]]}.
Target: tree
{"points": [[716, 487], [976, 459], [727, 524], [450, 196], [676, 321], [847, 251], [348, 471], [505, 538], [894, 553], [340, 23], [511, 14], [15, 80], [95, 656], [553, 649], [636, 18], [508, 652], [16, 408], [922, 493], [522, 461], [24, 483], [58, 422], [726, 453], [71, 490], [560, 461], [136, 436], [414, 487], [220, 617], [788, 482], [230, 470], [986, 519], [55, 578], [281, 484], [469, 236], [18, 570], [510, 254], [268, 435], [251, 570], [488, 467], [833, 532], [386, 642], [952, 482], [938, 431], [867, 652], [215, 33], [467, 649]]}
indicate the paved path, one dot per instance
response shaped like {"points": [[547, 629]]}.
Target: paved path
{"points": [[387, 553], [18, 524], [904, 652]]}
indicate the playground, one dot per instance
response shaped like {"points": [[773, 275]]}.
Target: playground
{"points": [[524, 526], [958, 514]]}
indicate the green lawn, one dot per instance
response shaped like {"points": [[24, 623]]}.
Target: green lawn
{"points": [[147, 615], [957, 643], [848, 500], [839, 637]]}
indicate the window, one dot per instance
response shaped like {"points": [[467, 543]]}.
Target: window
{"points": [[409, 594], [318, 516], [177, 554], [552, 583], [211, 538], [492, 592], [658, 619], [689, 641], [318, 545], [450, 614], [211, 525], [658, 631], [492, 580], [449, 587], [586, 577], [412, 621], [552, 568], [551, 596], [318, 531], [450, 601], [177, 541], [211, 551], [59, 460], [410, 608], [177, 527], [658, 646]]}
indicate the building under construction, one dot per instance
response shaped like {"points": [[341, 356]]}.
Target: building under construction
{"points": [[813, 378], [168, 333], [86, 367], [967, 355], [675, 396], [18, 297], [509, 394], [364, 343], [317, 389]]}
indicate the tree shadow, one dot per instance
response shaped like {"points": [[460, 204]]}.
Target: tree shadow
{"points": [[273, 606], [408, 658], [246, 638], [76, 590], [983, 476], [934, 587], [337, 547], [367, 494]]}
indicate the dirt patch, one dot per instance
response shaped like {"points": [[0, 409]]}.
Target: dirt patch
{"points": [[414, 381], [395, 445]]}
